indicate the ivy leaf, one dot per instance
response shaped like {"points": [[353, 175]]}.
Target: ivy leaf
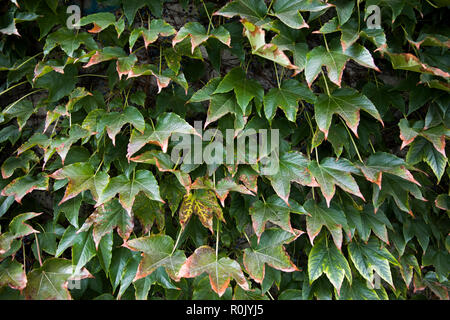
{"points": [[270, 250], [399, 189], [69, 41], [17, 229], [326, 258], [288, 12], [253, 10], [435, 135], [49, 282], [157, 28], [220, 271], [293, 166], [101, 21], [347, 103], [274, 210], [371, 257], [367, 220], [331, 172], [204, 204], [12, 273], [143, 180], [385, 162], [245, 89], [105, 219], [22, 186], [164, 164], [286, 97], [222, 104], [423, 150], [270, 51], [222, 188], [157, 251], [21, 110], [319, 215], [198, 35], [81, 177], [22, 161], [83, 250], [335, 60], [114, 121], [167, 124], [408, 61]]}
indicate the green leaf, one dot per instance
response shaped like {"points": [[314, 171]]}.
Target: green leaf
{"points": [[22, 186], [12, 274], [274, 210], [253, 10], [18, 228], [81, 177], [320, 215], [157, 28], [293, 167], [287, 98], [399, 189], [167, 124], [21, 110], [83, 250], [370, 257], [198, 35], [245, 89], [49, 282], [143, 180], [288, 12], [335, 60], [107, 218], [331, 172], [220, 271], [157, 251], [347, 103], [326, 258], [270, 250]]}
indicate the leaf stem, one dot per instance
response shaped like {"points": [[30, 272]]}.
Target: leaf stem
{"points": [[14, 86], [210, 25], [178, 240], [38, 249], [326, 83], [276, 73], [353, 141]]}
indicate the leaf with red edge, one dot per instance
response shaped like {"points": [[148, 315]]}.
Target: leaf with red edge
{"points": [[167, 124], [12, 273], [198, 35], [50, 281], [326, 258], [408, 61], [81, 177], [435, 135], [385, 162], [293, 167], [22, 186], [106, 218], [320, 215], [204, 204], [347, 103], [331, 172], [221, 188], [157, 251], [275, 210], [220, 271], [142, 181], [17, 229], [270, 250]]}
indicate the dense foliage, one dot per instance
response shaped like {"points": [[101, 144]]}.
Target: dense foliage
{"points": [[92, 205]]}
